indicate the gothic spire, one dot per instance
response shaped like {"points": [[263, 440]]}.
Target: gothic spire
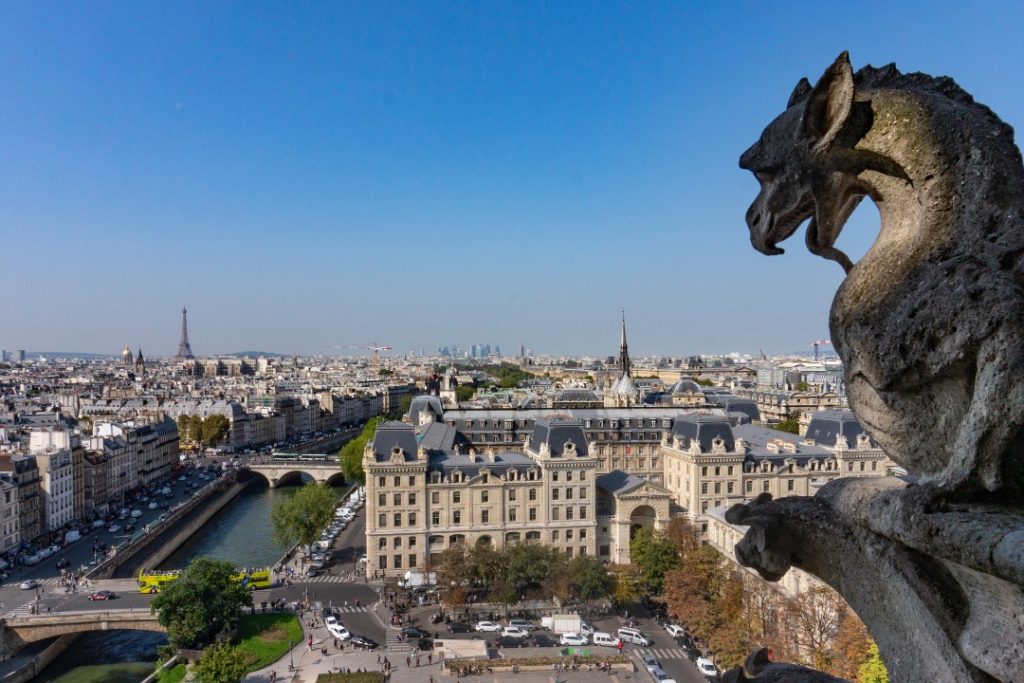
{"points": [[624, 350]]}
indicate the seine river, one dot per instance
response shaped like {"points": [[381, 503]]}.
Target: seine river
{"points": [[240, 533]]}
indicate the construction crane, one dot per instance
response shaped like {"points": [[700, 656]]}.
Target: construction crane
{"points": [[375, 347], [816, 344]]}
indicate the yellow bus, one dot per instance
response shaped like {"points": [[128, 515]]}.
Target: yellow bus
{"points": [[153, 581]]}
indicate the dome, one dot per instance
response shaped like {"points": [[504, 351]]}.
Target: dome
{"points": [[126, 354], [686, 386]]}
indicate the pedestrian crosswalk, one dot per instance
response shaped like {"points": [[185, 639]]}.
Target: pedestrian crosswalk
{"points": [[267, 595], [23, 610], [663, 652], [330, 578]]}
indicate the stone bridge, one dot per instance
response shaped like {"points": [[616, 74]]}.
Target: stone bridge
{"points": [[16, 632], [283, 472]]}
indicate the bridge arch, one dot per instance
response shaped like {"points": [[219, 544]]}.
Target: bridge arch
{"points": [[290, 477], [21, 631], [336, 479]]}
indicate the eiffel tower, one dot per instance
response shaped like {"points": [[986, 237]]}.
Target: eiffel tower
{"points": [[184, 348]]}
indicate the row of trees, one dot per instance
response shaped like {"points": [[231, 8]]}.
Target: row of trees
{"points": [[735, 612], [524, 571], [351, 454], [301, 517], [203, 432]]}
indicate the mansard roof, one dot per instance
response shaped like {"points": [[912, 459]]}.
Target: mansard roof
{"points": [[618, 482], [392, 434], [556, 432], [704, 429], [827, 425], [425, 403]]}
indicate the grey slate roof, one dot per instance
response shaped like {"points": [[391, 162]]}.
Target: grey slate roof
{"points": [[426, 403], [618, 482], [704, 429], [556, 432], [391, 434], [826, 425], [436, 436]]}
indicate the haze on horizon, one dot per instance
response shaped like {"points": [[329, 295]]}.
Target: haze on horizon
{"points": [[422, 174]]}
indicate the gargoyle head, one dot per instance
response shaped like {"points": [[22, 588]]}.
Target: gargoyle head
{"points": [[764, 547], [796, 163]]}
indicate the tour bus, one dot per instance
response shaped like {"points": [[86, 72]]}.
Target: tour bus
{"points": [[152, 581]]}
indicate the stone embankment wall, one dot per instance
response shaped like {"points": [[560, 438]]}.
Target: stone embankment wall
{"points": [[41, 661], [161, 542]]}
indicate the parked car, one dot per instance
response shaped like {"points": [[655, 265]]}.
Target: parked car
{"points": [[574, 639], [707, 667], [30, 584], [337, 629], [63, 562], [103, 595], [675, 630], [363, 642], [523, 624], [425, 644], [543, 640], [514, 632], [487, 626], [113, 528], [459, 627], [311, 571], [660, 676], [509, 641], [154, 505]]}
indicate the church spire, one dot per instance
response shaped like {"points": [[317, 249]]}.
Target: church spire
{"points": [[624, 350]]}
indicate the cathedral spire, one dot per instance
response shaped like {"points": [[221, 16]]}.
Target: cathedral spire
{"points": [[624, 350]]}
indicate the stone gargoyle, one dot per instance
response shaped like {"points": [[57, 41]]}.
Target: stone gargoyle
{"points": [[930, 327]]}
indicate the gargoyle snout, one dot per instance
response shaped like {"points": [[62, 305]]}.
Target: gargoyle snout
{"points": [[760, 221]]}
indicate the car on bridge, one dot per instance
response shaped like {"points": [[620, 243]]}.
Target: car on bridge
{"points": [[103, 595], [30, 584]]}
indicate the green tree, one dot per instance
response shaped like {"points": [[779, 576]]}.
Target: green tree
{"points": [[792, 425], [351, 454], [655, 554], [202, 603], [220, 663], [301, 517], [628, 583], [214, 429], [464, 392], [873, 670], [590, 578], [802, 386]]}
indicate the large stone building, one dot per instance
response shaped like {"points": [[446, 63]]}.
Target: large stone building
{"points": [[23, 472]]}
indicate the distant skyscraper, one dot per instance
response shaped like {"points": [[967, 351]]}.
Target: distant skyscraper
{"points": [[184, 348], [3, 356], [522, 350], [19, 355]]}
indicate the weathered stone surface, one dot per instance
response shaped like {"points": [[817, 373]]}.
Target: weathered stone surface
{"points": [[929, 326], [758, 669], [929, 323]]}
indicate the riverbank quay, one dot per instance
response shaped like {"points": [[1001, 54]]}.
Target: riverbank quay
{"points": [[169, 534], [292, 564], [25, 667]]}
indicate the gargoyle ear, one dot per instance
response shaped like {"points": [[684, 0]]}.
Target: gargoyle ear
{"points": [[799, 92], [830, 102]]}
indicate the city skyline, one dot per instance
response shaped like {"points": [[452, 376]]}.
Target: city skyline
{"points": [[299, 175]]}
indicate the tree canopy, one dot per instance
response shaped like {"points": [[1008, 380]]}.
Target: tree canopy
{"points": [[220, 663], [351, 454], [201, 603], [655, 554], [301, 517]]}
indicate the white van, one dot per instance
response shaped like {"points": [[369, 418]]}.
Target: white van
{"points": [[606, 639], [631, 635]]}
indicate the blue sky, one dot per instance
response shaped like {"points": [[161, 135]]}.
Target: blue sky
{"points": [[421, 174]]}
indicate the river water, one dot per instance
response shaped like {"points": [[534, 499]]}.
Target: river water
{"points": [[241, 533]]}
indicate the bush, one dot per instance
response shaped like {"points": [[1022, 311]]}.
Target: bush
{"points": [[362, 677]]}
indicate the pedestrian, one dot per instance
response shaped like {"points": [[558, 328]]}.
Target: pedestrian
{"points": [[378, 660], [430, 659]]}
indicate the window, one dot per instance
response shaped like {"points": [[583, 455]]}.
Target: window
{"points": [[512, 514], [750, 486], [457, 517], [383, 559], [704, 506], [456, 496], [382, 544], [789, 484], [554, 514], [729, 470], [729, 487], [485, 516], [568, 493], [397, 542], [435, 517], [583, 512], [398, 498], [874, 465], [849, 466], [718, 471], [533, 514], [861, 465], [484, 478], [568, 476], [568, 513], [382, 499], [412, 499], [533, 494], [398, 481], [398, 519], [412, 560], [435, 498], [511, 494], [484, 496], [380, 482], [554, 476], [554, 494], [412, 519], [764, 485], [604, 550], [398, 561], [704, 487], [583, 492], [412, 542], [554, 536], [704, 471], [568, 534], [412, 480], [382, 520]]}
